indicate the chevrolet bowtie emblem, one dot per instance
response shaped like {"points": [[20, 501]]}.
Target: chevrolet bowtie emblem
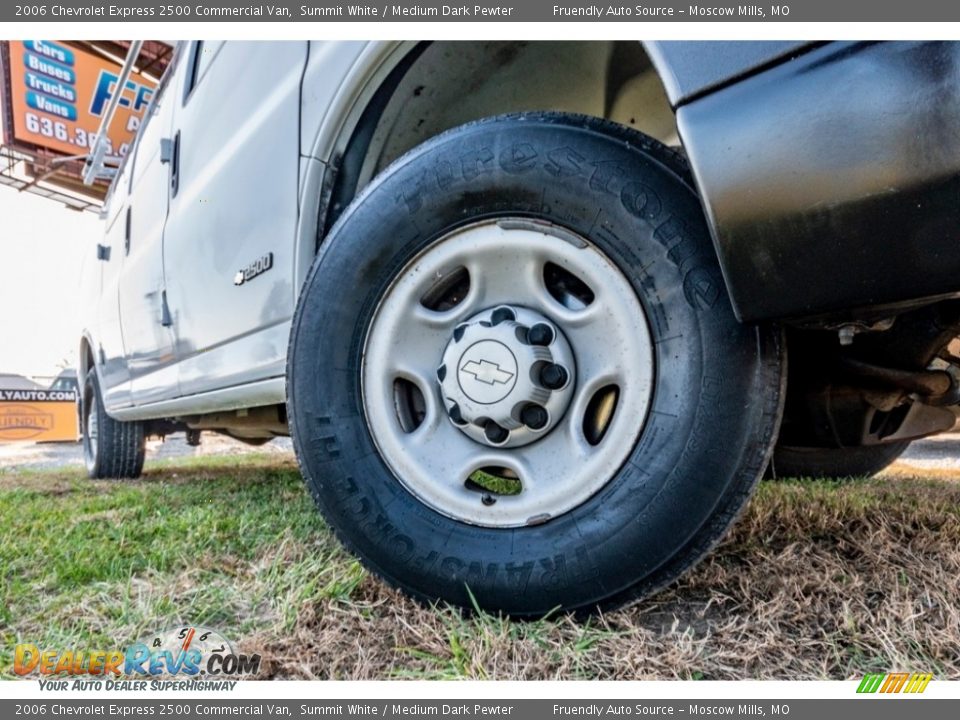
{"points": [[487, 372]]}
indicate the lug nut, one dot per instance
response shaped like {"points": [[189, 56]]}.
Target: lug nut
{"points": [[540, 334], [553, 376], [534, 417], [456, 415], [495, 433], [502, 314]]}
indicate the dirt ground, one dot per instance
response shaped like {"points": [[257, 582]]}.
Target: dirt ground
{"points": [[45, 456]]}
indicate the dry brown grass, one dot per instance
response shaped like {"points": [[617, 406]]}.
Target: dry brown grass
{"points": [[816, 581]]}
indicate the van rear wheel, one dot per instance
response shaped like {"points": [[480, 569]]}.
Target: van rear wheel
{"points": [[515, 376], [111, 448], [852, 462]]}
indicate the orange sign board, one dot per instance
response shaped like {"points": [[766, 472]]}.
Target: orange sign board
{"points": [[37, 415], [58, 94]]}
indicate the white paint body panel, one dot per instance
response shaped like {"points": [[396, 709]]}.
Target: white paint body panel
{"points": [[148, 346], [257, 128], [236, 203]]}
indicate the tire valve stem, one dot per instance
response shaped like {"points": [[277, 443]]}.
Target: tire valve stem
{"points": [[488, 499]]}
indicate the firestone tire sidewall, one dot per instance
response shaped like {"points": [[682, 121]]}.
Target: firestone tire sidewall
{"points": [[709, 428]]}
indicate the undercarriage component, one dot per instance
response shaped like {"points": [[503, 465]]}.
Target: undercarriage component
{"points": [[851, 416], [934, 386], [261, 423], [919, 420], [888, 385]]}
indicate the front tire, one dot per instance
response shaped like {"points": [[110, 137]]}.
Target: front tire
{"points": [[421, 342], [111, 448]]}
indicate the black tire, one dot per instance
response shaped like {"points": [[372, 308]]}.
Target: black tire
{"points": [[111, 448], [715, 407], [816, 463]]}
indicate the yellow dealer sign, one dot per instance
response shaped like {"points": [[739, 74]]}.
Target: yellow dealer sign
{"points": [[37, 415]]}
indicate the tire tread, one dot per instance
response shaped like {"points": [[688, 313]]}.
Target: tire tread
{"points": [[121, 445]]}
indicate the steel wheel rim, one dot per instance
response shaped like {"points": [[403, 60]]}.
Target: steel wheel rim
{"points": [[508, 262]]}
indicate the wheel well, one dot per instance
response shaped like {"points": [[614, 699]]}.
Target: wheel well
{"points": [[441, 85]]}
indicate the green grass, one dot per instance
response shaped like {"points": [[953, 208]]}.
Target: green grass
{"points": [[222, 543], [818, 580], [496, 484]]}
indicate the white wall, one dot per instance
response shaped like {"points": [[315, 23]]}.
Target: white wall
{"points": [[42, 248]]}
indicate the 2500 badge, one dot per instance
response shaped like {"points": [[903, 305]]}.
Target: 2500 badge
{"points": [[257, 267]]}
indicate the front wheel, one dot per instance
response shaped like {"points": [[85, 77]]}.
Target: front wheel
{"points": [[515, 373]]}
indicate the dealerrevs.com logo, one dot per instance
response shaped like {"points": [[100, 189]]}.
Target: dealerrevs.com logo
{"points": [[185, 653]]}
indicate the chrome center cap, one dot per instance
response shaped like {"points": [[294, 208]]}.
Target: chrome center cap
{"points": [[507, 376]]}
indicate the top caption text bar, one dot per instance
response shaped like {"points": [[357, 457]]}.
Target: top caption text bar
{"points": [[488, 11]]}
